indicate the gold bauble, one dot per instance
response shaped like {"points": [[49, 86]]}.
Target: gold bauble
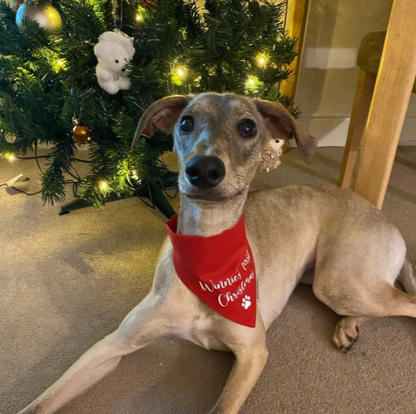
{"points": [[41, 12], [82, 134]]}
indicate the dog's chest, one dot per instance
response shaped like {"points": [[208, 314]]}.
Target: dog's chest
{"points": [[189, 317], [201, 333]]}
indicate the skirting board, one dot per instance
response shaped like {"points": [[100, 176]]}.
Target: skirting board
{"points": [[331, 131]]}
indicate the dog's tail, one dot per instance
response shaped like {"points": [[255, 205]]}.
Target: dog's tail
{"points": [[407, 276]]}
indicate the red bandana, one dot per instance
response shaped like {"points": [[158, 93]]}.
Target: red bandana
{"points": [[219, 270]]}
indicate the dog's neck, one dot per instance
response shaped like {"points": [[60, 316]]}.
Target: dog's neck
{"points": [[206, 219]]}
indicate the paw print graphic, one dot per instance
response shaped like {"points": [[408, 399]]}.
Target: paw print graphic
{"points": [[246, 303]]}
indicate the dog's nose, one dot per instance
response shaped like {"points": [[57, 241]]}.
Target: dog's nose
{"points": [[205, 171]]}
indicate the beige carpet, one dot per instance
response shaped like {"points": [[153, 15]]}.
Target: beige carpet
{"points": [[65, 282]]}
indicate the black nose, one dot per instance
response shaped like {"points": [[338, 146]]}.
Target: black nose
{"points": [[205, 172]]}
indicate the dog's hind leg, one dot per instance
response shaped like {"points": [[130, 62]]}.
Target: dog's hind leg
{"points": [[365, 302], [142, 325], [347, 329], [355, 272], [374, 301]]}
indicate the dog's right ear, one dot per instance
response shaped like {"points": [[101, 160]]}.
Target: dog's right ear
{"points": [[162, 115], [281, 124]]}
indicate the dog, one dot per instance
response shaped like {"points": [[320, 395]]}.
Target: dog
{"points": [[357, 254]]}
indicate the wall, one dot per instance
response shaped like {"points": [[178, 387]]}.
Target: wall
{"points": [[328, 73]]}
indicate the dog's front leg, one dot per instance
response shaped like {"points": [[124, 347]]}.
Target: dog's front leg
{"points": [[251, 356], [142, 325]]}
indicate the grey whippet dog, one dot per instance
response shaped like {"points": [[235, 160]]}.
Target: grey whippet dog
{"points": [[358, 254]]}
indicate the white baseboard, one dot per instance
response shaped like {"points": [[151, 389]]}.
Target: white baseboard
{"points": [[332, 130]]}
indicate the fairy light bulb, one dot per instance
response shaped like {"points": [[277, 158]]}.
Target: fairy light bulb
{"points": [[253, 84], [10, 157], [103, 185], [179, 75], [134, 175], [262, 59], [138, 17], [180, 71]]}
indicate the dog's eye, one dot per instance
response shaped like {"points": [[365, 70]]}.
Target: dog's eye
{"points": [[187, 124], [116, 61], [246, 128]]}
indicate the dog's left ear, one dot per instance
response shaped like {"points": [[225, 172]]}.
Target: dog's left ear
{"points": [[162, 115], [281, 124]]}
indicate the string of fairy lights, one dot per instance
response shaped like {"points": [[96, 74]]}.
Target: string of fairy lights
{"points": [[179, 74]]}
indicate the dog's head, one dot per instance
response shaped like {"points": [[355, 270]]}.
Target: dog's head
{"points": [[220, 139]]}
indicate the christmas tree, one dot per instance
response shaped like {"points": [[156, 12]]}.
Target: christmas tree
{"points": [[49, 91]]}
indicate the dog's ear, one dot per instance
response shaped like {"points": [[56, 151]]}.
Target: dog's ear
{"points": [[162, 115], [281, 124]]}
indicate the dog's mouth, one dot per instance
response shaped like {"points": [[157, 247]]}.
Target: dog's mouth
{"points": [[210, 196], [206, 198], [220, 193]]}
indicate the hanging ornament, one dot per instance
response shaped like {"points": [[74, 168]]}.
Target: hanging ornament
{"points": [[149, 4], [41, 12], [15, 4], [81, 134], [114, 50]]}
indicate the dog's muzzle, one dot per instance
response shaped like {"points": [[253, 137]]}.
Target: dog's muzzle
{"points": [[205, 171]]}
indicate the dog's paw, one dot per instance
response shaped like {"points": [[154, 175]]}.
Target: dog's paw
{"points": [[346, 333], [246, 302]]}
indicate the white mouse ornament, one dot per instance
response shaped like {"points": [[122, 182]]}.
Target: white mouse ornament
{"points": [[271, 155], [113, 50]]}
